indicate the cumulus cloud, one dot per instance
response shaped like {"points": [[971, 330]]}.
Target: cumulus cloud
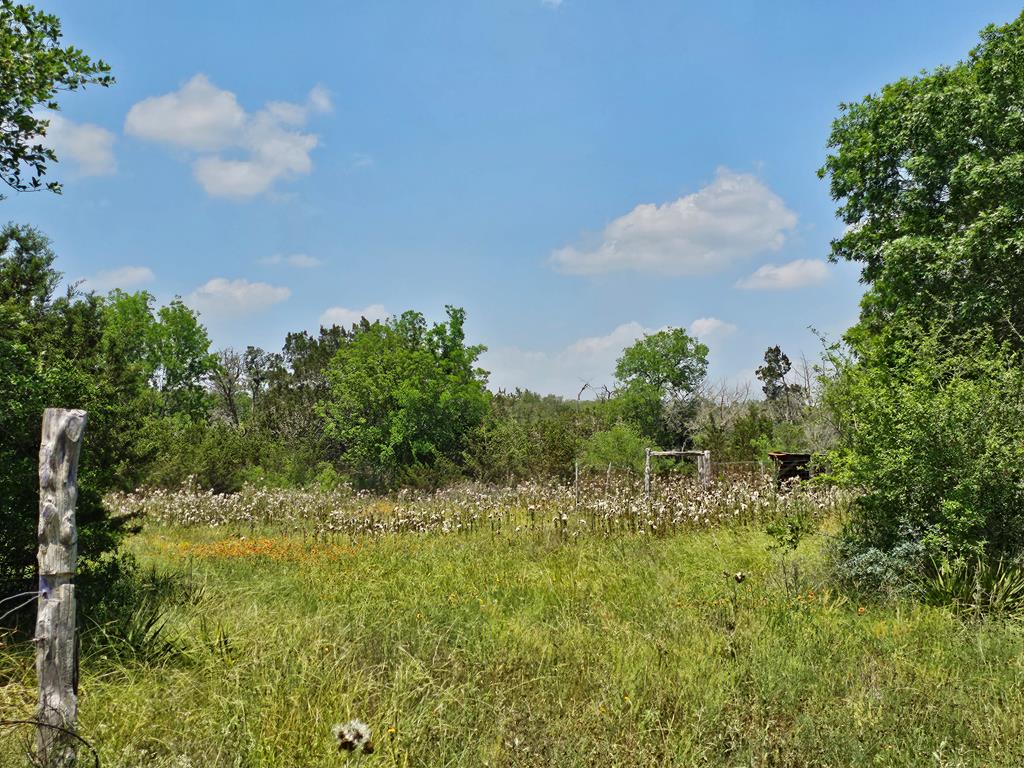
{"points": [[121, 277], [588, 360], [348, 317], [297, 260], [795, 274], [264, 146], [90, 147], [221, 296], [734, 217], [705, 328]]}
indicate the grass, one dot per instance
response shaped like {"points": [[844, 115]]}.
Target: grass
{"points": [[531, 650]]}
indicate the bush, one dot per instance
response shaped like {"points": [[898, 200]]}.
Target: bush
{"points": [[935, 442], [622, 446]]}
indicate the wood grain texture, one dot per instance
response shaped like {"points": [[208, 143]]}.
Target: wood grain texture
{"points": [[56, 657]]}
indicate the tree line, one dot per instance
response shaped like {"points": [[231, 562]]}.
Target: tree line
{"points": [[918, 408]]}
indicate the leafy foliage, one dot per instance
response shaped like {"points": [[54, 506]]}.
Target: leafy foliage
{"points": [[937, 445], [622, 447], [404, 397], [34, 67], [660, 376], [50, 355], [929, 174]]}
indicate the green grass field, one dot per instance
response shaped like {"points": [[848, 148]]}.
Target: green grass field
{"points": [[526, 650]]}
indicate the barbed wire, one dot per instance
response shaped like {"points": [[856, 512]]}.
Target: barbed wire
{"points": [[18, 607], [62, 729]]}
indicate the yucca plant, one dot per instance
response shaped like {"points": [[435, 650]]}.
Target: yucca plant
{"points": [[977, 589]]}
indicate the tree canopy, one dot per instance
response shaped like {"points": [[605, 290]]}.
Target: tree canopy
{"points": [[404, 397], [929, 177], [34, 68]]}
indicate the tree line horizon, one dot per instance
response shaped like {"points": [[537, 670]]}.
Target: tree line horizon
{"points": [[918, 407]]}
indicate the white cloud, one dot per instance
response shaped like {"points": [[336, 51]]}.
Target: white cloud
{"points": [[734, 217], [320, 99], [347, 317], [221, 296], [209, 121], [705, 328], [198, 116], [297, 260], [88, 146], [587, 360], [795, 274], [121, 277]]}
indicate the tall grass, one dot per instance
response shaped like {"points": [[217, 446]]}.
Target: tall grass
{"points": [[534, 649]]}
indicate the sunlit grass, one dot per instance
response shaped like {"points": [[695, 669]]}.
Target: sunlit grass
{"points": [[485, 649]]}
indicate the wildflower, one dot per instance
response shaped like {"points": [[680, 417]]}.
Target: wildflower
{"points": [[860, 611], [353, 735]]}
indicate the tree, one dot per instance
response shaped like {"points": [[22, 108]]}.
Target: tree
{"points": [[182, 361], [660, 375], [773, 373], [404, 398], [929, 177], [671, 361], [34, 67], [52, 352], [229, 383], [936, 447]]}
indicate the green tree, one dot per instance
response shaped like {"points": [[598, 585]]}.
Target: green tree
{"points": [[773, 373], [929, 177], [182, 361], [936, 447], [660, 375], [51, 354], [671, 361], [404, 399], [34, 68]]}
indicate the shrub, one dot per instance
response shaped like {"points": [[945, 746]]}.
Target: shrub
{"points": [[935, 442], [622, 446]]}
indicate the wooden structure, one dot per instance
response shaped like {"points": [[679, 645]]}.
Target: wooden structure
{"points": [[791, 466], [703, 465], [56, 648]]}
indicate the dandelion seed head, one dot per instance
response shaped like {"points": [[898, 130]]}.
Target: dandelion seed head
{"points": [[353, 735]]}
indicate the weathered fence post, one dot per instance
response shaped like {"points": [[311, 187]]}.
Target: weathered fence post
{"points": [[704, 467], [56, 651], [577, 484], [647, 472]]}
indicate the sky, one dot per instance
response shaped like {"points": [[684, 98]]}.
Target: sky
{"points": [[574, 174]]}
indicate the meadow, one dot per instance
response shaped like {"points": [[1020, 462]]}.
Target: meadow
{"points": [[484, 627]]}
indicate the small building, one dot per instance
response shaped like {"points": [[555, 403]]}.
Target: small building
{"points": [[790, 466]]}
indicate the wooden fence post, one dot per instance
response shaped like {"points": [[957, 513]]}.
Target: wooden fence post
{"points": [[56, 651], [647, 473], [704, 467]]}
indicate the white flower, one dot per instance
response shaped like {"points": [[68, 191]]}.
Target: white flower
{"points": [[353, 735]]}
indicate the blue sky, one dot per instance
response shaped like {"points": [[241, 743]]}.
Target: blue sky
{"points": [[572, 173]]}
